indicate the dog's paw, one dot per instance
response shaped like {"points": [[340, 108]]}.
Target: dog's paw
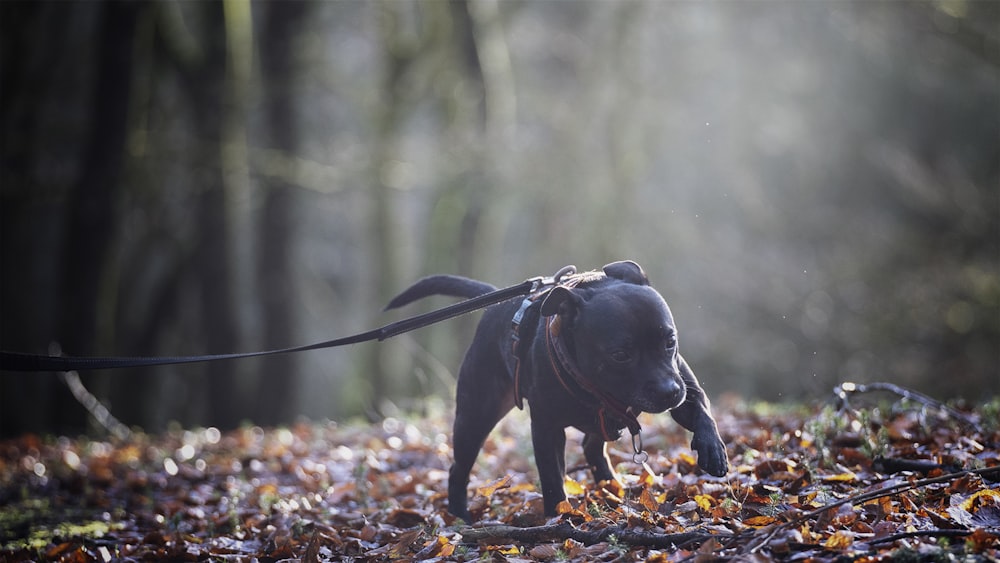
{"points": [[712, 456]]}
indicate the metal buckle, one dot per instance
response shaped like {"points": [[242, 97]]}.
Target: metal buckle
{"points": [[539, 282], [516, 321]]}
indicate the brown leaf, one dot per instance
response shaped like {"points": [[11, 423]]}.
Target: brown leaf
{"points": [[572, 548], [612, 486], [767, 468], [840, 540], [405, 518], [367, 533], [978, 510], [647, 501], [760, 521], [440, 546], [505, 549], [980, 540], [487, 491], [312, 550], [401, 546], [270, 494], [707, 552], [543, 551], [58, 550], [985, 498]]}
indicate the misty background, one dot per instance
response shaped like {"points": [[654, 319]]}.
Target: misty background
{"points": [[814, 187]]}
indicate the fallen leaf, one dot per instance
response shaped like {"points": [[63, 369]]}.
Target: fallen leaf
{"points": [[573, 487], [543, 551], [705, 502], [488, 490], [760, 521], [981, 540], [845, 477], [507, 549], [647, 501], [329, 492], [840, 540], [979, 510], [766, 468], [405, 518]]}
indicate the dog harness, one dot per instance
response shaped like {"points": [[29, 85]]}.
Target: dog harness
{"points": [[611, 412]]}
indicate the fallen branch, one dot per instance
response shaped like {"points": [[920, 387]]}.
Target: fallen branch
{"points": [[565, 530], [865, 497], [95, 407], [919, 533], [847, 388]]}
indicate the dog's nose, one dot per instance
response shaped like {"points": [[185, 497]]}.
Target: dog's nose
{"points": [[673, 389], [663, 394]]}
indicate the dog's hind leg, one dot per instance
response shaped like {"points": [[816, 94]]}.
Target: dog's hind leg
{"points": [[482, 399]]}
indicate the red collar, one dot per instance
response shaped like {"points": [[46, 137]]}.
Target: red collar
{"points": [[566, 369], [582, 388]]}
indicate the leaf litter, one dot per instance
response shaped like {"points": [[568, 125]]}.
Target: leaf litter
{"points": [[854, 482]]}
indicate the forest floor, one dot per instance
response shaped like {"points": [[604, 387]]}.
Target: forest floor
{"points": [[878, 478]]}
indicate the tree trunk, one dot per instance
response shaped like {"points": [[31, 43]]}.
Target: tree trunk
{"points": [[279, 379], [213, 399], [92, 220]]}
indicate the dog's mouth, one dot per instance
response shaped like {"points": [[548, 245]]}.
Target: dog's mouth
{"points": [[654, 404], [652, 409]]}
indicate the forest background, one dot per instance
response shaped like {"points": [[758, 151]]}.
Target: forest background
{"points": [[813, 186]]}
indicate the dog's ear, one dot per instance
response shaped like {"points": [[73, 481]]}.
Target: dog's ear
{"points": [[560, 301], [627, 271]]}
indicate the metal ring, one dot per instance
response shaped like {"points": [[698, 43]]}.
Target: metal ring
{"points": [[563, 272], [639, 455]]}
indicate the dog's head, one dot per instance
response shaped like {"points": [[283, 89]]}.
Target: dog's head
{"points": [[622, 336]]}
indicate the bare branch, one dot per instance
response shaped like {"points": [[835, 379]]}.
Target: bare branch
{"points": [[565, 530]]}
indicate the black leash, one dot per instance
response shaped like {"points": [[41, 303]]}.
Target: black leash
{"points": [[17, 361]]}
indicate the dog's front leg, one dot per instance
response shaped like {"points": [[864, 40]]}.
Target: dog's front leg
{"points": [[596, 452], [549, 441], [694, 415]]}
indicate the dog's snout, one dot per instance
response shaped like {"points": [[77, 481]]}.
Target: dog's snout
{"points": [[661, 394], [673, 390]]}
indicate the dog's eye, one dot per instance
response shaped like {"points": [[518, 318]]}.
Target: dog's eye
{"points": [[621, 356], [671, 343]]}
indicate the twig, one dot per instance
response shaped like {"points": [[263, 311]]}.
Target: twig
{"points": [[865, 497], [565, 530], [918, 533], [896, 465], [847, 388], [94, 406]]}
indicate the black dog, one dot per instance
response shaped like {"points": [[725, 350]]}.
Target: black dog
{"points": [[592, 351]]}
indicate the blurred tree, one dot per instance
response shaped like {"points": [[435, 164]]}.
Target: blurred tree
{"points": [[813, 186], [33, 73], [399, 45], [279, 377], [93, 218], [454, 237], [204, 81]]}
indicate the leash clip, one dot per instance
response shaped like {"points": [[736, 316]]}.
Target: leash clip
{"points": [[538, 282]]}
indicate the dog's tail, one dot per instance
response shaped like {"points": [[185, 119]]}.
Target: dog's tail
{"points": [[454, 286]]}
